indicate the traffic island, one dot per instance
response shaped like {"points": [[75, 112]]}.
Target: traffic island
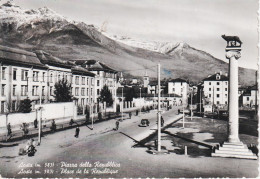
{"points": [[156, 152]]}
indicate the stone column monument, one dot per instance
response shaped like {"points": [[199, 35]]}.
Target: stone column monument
{"points": [[233, 147]]}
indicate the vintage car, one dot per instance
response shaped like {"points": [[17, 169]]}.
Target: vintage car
{"points": [[144, 123]]}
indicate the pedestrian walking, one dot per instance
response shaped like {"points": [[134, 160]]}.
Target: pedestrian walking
{"points": [[77, 132], [9, 130], [162, 121], [117, 125], [130, 115], [87, 116], [35, 123], [53, 126], [136, 112]]}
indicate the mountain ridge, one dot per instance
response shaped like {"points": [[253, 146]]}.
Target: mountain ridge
{"points": [[71, 40]]}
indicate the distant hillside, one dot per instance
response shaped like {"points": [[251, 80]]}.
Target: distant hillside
{"points": [[45, 29]]}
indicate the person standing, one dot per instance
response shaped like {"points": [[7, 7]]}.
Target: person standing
{"points": [[117, 125], [77, 132], [35, 123], [162, 121], [130, 115], [9, 131], [53, 126]]}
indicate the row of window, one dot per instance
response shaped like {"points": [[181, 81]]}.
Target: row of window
{"points": [[84, 101], [35, 90], [84, 91], [218, 89], [173, 89], [173, 84], [84, 80], [218, 83], [218, 95], [218, 102], [24, 90], [35, 77]]}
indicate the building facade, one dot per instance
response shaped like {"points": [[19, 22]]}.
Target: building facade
{"points": [[20, 76], [250, 97], [180, 87], [216, 89], [33, 75], [104, 75]]}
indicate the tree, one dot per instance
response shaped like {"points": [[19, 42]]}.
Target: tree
{"points": [[106, 96], [130, 94], [26, 105], [62, 91]]}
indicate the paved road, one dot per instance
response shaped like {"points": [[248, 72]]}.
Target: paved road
{"points": [[104, 152]]}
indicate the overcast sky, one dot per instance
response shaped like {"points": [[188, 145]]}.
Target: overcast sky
{"points": [[199, 23]]}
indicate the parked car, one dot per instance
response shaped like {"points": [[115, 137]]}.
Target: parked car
{"points": [[144, 123], [186, 111]]}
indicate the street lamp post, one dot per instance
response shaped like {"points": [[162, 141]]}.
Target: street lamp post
{"points": [[122, 102], [140, 100], [183, 115], [191, 101], [200, 101], [40, 116], [159, 111], [91, 106]]}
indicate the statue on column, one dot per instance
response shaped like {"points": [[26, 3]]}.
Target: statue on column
{"points": [[232, 41], [233, 147]]}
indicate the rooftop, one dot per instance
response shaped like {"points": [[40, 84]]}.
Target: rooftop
{"points": [[14, 55], [81, 70], [46, 58], [94, 65], [178, 80], [216, 77]]}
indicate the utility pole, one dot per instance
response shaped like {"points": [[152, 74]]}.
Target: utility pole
{"points": [[213, 100], [140, 99], [200, 101], [40, 116], [183, 116], [191, 102], [122, 102], [92, 112], [159, 111], [256, 93]]}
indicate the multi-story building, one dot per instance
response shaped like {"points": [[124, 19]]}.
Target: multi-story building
{"points": [[104, 75], [83, 86], [25, 74], [20, 76], [216, 89], [82, 81], [250, 97], [180, 87]]}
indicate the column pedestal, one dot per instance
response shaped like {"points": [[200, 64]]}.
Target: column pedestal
{"points": [[233, 147], [234, 150]]}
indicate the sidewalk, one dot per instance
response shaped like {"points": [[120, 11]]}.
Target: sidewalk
{"points": [[17, 134], [99, 126]]}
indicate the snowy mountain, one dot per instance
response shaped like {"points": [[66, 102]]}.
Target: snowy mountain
{"points": [[44, 29], [161, 47]]}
